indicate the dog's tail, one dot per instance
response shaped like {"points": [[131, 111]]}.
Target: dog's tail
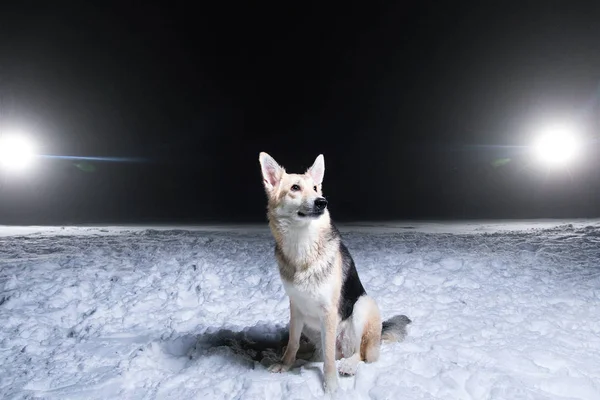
{"points": [[394, 329]]}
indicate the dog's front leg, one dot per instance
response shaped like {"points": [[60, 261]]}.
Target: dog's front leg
{"points": [[328, 337], [296, 326]]}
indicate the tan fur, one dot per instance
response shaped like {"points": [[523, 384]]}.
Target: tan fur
{"points": [[311, 268], [294, 341], [390, 337], [329, 334], [371, 339]]}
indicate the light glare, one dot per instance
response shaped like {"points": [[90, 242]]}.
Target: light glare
{"points": [[16, 152], [557, 146]]}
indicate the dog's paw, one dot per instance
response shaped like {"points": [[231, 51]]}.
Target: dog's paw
{"points": [[279, 367], [347, 366], [331, 384]]}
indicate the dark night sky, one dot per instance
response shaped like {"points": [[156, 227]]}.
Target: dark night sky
{"points": [[394, 94]]}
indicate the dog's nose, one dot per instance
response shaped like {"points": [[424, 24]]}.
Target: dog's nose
{"points": [[320, 203]]}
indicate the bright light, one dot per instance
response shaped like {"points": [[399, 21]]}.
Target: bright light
{"points": [[16, 152], [557, 146]]}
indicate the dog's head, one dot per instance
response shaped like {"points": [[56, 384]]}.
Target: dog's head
{"points": [[295, 197]]}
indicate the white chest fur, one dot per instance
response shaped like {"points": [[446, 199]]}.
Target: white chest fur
{"points": [[313, 303], [300, 243], [308, 261]]}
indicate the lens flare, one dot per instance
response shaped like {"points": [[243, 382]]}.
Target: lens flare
{"points": [[557, 146], [16, 152]]}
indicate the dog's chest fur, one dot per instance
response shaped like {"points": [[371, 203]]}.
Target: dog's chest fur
{"points": [[309, 266]]}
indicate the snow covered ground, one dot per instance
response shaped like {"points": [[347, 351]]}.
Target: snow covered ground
{"points": [[506, 310]]}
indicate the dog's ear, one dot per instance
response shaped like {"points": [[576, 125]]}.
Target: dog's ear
{"points": [[271, 171], [317, 171]]}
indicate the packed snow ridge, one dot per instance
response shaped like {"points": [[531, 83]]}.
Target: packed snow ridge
{"points": [[500, 311]]}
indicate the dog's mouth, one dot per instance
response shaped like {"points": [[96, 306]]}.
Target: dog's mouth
{"points": [[311, 214]]}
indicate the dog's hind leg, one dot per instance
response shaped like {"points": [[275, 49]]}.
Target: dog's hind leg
{"points": [[364, 336], [371, 339], [348, 366]]}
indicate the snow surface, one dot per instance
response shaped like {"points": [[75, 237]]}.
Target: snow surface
{"points": [[500, 310]]}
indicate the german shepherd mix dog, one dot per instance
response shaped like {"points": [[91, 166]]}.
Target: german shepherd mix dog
{"points": [[319, 276]]}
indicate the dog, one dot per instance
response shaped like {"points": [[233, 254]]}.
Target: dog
{"points": [[320, 277]]}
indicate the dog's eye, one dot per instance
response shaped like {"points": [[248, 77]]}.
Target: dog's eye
{"points": [[295, 188], [314, 187]]}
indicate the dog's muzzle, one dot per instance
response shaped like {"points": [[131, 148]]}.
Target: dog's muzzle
{"points": [[317, 209]]}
